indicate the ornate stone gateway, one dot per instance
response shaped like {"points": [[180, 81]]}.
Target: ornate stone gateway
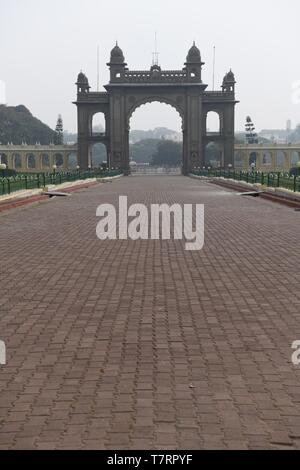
{"points": [[182, 89]]}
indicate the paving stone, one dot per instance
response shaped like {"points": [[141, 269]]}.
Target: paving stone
{"points": [[143, 345]]}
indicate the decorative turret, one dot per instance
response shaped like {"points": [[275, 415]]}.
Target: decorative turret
{"points": [[229, 82], [82, 84], [193, 63], [117, 63]]}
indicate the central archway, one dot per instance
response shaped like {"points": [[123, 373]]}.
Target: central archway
{"points": [[155, 135]]}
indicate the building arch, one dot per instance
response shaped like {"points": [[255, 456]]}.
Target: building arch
{"points": [[213, 122], [4, 159], [98, 154], [31, 161], [253, 159], [214, 155], [17, 161], [152, 99], [72, 160], [238, 159], [280, 159], [98, 123], [45, 160], [267, 158], [294, 158], [59, 160]]}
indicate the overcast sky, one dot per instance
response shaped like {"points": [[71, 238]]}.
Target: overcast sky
{"points": [[45, 43]]}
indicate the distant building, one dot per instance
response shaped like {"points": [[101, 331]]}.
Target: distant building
{"points": [[277, 136]]}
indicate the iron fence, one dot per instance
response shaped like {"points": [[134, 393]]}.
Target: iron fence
{"points": [[25, 181], [272, 180]]}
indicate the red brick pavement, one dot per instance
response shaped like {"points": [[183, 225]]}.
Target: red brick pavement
{"points": [[143, 345]]}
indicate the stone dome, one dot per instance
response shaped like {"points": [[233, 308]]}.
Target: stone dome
{"points": [[194, 55], [82, 78], [116, 55], [229, 77]]}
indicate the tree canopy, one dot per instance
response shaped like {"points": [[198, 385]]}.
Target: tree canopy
{"points": [[168, 153]]}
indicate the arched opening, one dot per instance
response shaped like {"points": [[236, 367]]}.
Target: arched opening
{"points": [[238, 159], [294, 158], [280, 159], [3, 159], [72, 160], [17, 161], [98, 155], [213, 123], [45, 161], [31, 161], [253, 159], [58, 160], [98, 124], [155, 138], [214, 155], [267, 158]]}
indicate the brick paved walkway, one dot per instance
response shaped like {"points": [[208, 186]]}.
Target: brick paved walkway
{"points": [[130, 345]]}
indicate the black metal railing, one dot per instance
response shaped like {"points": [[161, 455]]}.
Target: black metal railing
{"points": [[23, 181], [272, 179]]}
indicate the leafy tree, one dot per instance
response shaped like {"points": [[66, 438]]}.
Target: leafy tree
{"points": [[142, 151], [59, 132], [168, 153]]}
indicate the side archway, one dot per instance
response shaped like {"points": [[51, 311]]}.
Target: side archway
{"points": [[267, 158], [17, 161], [59, 160], [214, 155], [45, 160], [280, 159], [98, 123], [295, 158], [31, 161], [4, 159], [253, 158], [72, 160], [213, 123]]}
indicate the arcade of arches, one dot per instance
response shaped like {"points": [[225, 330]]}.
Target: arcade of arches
{"points": [[38, 158], [42, 158], [266, 157]]}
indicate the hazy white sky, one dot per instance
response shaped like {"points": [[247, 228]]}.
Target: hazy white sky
{"points": [[45, 43]]}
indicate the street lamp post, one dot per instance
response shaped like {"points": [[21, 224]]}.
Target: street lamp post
{"points": [[54, 173]]}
